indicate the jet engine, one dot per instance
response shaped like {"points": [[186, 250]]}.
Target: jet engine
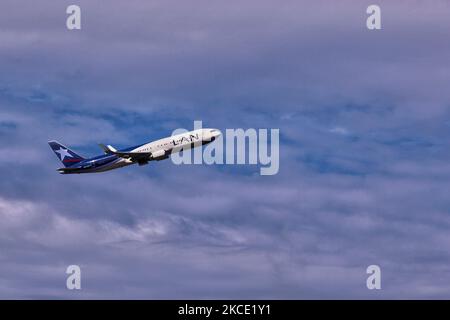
{"points": [[160, 155]]}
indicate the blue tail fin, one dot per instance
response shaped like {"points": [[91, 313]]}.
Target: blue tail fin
{"points": [[64, 154]]}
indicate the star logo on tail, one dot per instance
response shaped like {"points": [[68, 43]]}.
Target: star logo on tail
{"points": [[63, 153]]}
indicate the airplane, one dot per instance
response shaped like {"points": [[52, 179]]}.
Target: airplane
{"points": [[141, 154]]}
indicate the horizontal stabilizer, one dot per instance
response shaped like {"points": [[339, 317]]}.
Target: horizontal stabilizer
{"points": [[107, 149], [68, 170]]}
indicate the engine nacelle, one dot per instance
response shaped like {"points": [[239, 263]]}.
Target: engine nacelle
{"points": [[160, 155]]}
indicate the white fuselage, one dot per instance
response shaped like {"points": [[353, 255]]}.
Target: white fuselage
{"points": [[178, 142], [162, 148]]}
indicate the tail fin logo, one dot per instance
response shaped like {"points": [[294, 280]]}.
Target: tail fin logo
{"points": [[63, 153]]}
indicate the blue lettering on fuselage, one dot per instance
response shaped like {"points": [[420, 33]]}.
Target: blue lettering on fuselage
{"points": [[191, 138]]}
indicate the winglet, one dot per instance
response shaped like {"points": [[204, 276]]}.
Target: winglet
{"points": [[104, 148], [107, 149], [111, 148]]}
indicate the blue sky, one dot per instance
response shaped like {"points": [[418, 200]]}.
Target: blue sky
{"points": [[364, 148]]}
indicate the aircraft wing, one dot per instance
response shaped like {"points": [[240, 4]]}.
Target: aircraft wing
{"points": [[135, 156]]}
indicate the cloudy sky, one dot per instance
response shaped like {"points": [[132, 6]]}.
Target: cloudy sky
{"points": [[364, 119]]}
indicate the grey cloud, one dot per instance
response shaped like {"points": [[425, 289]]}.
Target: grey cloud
{"points": [[364, 150]]}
